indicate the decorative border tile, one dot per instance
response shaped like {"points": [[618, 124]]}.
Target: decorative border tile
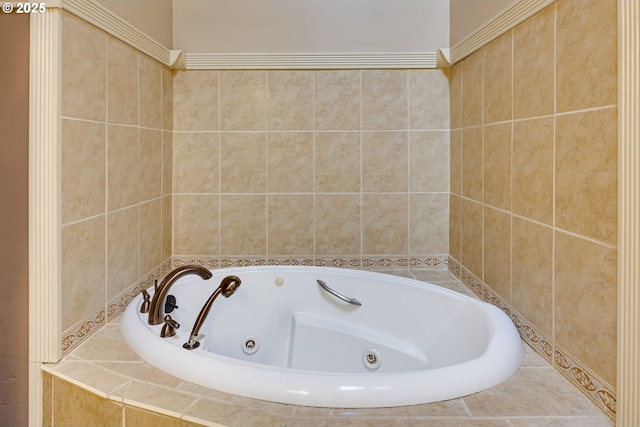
{"points": [[367, 262], [589, 383], [82, 330]]}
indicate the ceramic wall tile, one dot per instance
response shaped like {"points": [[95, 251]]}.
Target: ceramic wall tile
{"points": [[195, 100], [472, 78], [243, 229], [455, 226], [337, 224], [290, 224], [532, 194], [150, 78], [471, 233], [150, 164], [532, 272], [455, 162], [150, 235], [84, 70], [114, 155], [384, 224], [123, 171], [533, 73], [195, 224], [290, 162], [122, 83], [497, 165], [585, 280], [586, 174], [337, 162], [497, 251], [243, 162], [429, 223], [384, 99], [455, 95], [243, 100], [167, 227], [583, 28], [429, 99], [167, 98], [429, 163], [562, 169], [384, 161], [337, 99], [472, 174], [83, 173], [197, 163], [82, 253], [122, 250], [498, 85], [290, 100], [167, 163]]}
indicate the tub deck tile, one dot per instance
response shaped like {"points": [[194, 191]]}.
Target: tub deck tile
{"points": [[531, 392], [536, 396]]}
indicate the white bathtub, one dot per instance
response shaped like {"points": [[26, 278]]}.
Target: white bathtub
{"points": [[409, 342]]}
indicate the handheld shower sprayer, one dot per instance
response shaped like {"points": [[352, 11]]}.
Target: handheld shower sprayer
{"points": [[227, 287]]}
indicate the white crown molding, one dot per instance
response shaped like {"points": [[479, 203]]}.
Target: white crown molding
{"points": [[503, 22], [111, 23], [291, 61], [103, 18]]}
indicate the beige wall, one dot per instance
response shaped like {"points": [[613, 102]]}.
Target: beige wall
{"points": [[534, 175], [14, 216], [307, 26], [153, 17], [304, 165], [467, 16], [116, 171]]}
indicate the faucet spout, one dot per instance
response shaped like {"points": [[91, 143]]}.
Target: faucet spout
{"points": [[156, 312], [227, 287]]}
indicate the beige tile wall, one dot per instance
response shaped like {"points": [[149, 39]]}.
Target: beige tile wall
{"points": [[115, 184], [534, 177], [308, 165]]}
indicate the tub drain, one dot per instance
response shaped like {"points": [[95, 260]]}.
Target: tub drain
{"points": [[371, 359], [250, 344]]}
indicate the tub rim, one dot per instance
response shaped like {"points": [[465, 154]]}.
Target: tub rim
{"points": [[358, 390]]}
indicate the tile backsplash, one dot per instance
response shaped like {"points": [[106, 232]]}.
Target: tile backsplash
{"points": [[339, 163], [115, 185], [534, 182]]}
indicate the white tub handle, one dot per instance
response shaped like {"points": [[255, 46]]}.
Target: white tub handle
{"points": [[338, 295]]}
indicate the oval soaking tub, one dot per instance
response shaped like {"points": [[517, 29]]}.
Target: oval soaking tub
{"points": [[282, 337]]}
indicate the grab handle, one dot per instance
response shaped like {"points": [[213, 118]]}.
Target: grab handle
{"points": [[338, 295]]}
